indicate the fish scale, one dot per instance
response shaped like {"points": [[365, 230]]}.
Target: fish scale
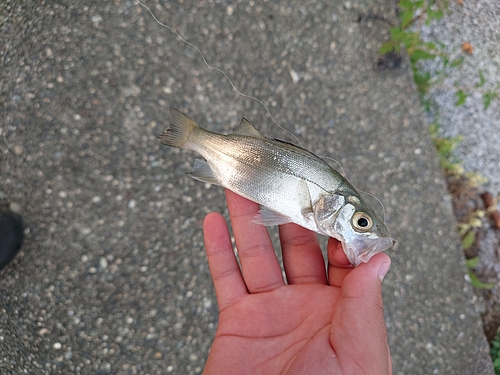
{"points": [[289, 182]]}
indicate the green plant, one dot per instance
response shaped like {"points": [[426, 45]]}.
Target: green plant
{"points": [[495, 353], [474, 280], [413, 15], [488, 95], [445, 147], [451, 165]]}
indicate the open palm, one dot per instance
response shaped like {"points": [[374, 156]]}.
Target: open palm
{"points": [[323, 321]]}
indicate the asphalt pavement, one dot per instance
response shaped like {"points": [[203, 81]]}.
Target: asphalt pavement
{"points": [[112, 277]]}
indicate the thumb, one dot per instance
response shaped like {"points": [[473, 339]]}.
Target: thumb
{"points": [[359, 334]]}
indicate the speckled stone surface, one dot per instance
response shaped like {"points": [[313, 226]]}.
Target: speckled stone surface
{"points": [[112, 278]]}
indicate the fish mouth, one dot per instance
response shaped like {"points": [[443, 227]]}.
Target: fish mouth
{"points": [[362, 250]]}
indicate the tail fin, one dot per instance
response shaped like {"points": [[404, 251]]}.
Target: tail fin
{"points": [[180, 130]]}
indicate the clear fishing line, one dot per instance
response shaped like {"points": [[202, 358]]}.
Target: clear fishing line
{"points": [[343, 173], [218, 70], [245, 95]]}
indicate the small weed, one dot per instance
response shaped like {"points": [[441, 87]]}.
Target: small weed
{"points": [[453, 169], [474, 280], [495, 353], [413, 15], [488, 95], [445, 147]]}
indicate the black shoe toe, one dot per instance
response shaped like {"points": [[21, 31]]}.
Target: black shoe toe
{"points": [[11, 236]]}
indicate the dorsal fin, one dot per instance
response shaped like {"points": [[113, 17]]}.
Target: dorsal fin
{"points": [[245, 128]]}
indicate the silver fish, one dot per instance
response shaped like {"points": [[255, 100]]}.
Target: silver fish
{"points": [[290, 183]]}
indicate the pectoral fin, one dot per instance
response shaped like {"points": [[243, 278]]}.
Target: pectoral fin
{"points": [[304, 197], [268, 218], [201, 171]]}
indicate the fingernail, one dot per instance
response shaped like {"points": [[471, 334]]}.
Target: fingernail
{"points": [[382, 271]]}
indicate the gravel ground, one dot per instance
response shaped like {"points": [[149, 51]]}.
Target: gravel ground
{"points": [[113, 278], [476, 23]]}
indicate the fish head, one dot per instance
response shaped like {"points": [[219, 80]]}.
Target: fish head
{"points": [[354, 224]]}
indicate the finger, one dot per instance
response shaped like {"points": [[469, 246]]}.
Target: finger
{"points": [[358, 333], [260, 266], [338, 264], [226, 274], [302, 257]]}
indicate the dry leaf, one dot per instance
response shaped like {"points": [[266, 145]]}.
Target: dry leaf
{"points": [[467, 48], [460, 2], [488, 200], [495, 215]]}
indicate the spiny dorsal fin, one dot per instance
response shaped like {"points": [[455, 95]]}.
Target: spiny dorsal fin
{"points": [[245, 128]]}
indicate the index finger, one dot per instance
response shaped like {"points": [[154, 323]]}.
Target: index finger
{"points": [[302, 257], [259, 264]]}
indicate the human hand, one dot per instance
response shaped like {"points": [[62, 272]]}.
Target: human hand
{"points": [[324, 321]]}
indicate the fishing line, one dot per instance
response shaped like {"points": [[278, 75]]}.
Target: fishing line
{"points": [[361, 191], [218, 70], [378, 200], [342, 171], [243, 94]]}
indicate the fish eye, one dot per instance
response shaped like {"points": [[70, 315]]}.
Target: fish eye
{"points": [[362, 221]]}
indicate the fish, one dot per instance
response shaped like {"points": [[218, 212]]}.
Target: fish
{"points": [[290, 183]]}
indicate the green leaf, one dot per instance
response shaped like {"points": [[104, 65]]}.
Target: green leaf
{"points": [[461, 96], [495, 344], [422, 80], [418, 4], [468, 240], [430, 45], [396, 34], [472, 263], [387, 47], [434, 128], [481, 79], [406, 6], [428, 106], [457, 62], [446, 145], [488, 97], [418, 54], [476, 283], [410, 38], [406, 19], [433, 15]]}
